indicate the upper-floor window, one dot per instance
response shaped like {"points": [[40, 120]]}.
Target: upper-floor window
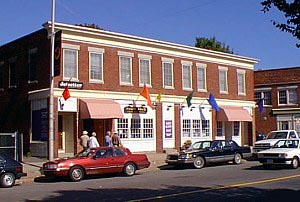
{"points": [[167, 65], [12, 71], [241, 82], [1, 75], [70, 61], [287, 96], [125, 66], [32, 65], [96, 64], [223, 85], [186, 75], [145, 69], [201, 77], [265, 95]]}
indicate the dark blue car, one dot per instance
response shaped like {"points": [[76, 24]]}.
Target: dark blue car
{"points": [[204, 152], [10, 170]]}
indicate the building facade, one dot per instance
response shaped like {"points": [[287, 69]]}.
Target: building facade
{"points": [[279, 90], [105, 73]]}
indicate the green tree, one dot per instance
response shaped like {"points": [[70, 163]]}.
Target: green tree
{"points": [[212, 44], [291, 10]]}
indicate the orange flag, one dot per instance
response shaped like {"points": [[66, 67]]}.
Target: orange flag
{"points": [[66, 93], [145, 94]]}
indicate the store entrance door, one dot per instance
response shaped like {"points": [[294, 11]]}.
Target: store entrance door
{"points": [[66, 134]]}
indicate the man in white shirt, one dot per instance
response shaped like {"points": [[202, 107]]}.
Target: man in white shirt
{"points": [[93, 142]]}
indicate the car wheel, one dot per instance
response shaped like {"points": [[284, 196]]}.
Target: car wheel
{"points": [[266, 166], [7, 180], [295, 163], [237, 159], [199, 162], [76, 174], [129, 169]]}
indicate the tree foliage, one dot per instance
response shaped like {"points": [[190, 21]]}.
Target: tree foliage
{"points": [[212, 44], [291, 10]]}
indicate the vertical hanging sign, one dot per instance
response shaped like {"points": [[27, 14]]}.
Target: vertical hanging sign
{"points": [[57, 53]]}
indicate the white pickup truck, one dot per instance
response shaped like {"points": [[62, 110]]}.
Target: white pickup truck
{"points": [[272, 138]]}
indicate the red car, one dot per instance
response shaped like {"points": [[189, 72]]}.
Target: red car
{"points": [[99, 160]]}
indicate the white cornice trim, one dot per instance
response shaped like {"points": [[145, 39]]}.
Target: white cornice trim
{"points": [[76, 33]]}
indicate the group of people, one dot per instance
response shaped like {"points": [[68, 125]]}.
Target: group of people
{"points": [[89, 142], [111, 139]]}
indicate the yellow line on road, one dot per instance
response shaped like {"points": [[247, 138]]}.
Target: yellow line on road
{"points": [[217, 188]]}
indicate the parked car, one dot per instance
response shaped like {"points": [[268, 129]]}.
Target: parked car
{"points": [[99, 160], [284, 152], [204, 152], [10, 170], [271, 139]]}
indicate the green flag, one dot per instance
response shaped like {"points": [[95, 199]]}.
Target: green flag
{"points": [[189, 99]]}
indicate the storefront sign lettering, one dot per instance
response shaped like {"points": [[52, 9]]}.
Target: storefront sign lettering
{"points": [[71, 84], [137, 110]]}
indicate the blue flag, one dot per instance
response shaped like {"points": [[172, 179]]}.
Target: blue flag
{"points": [[260, 105], [211, 100]]}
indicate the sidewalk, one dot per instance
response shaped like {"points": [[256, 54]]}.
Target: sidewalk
{"points": [[32, 165]]}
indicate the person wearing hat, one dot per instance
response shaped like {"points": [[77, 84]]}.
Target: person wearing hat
{"points": [[93, 142], [115, 139], [84, 138]]}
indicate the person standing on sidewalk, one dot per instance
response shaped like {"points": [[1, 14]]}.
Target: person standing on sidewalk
{"points": [[107, 139], [93, 142], [84, 138], [115, 139]]}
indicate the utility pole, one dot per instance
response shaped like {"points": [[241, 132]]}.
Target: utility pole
{"points": [[51, 100]]}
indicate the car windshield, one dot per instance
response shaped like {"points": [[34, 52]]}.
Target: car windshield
{"points": [[287, 144], [277, 135], [85, 153], [200, 145]]}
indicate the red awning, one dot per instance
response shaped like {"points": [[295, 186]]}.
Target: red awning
{"points": [[233, 114], [99, 109]]}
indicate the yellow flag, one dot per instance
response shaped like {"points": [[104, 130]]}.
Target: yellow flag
{"points": [[158, 97]]}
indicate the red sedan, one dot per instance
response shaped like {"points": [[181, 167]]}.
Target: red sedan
{"points": [[99, 160]]}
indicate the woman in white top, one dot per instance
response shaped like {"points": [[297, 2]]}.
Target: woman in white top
{"points": [[93, 142]]}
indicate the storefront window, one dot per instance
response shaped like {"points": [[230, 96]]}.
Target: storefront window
{"points": [[135, 128]]}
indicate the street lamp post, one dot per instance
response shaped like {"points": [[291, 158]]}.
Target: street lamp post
{"points": [[51, 100]]}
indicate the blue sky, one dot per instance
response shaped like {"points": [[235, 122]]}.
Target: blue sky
{"points": [[239, 24]]}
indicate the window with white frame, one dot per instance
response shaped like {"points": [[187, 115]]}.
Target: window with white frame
{"points": [[12, 71], [186, 128], [148, 128], [265, 95], [201, 77], [123, 129], [70, 61], [220, 128], [145, 69], [287, 96], [96, 64], [167, 72], [195, 128], [135, 128], [236, 128], [125, 66], [32, 65], [205, 128], [223, 85], [1, 75], [241, 82], [186, 75]]}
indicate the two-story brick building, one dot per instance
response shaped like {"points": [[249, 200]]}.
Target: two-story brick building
{"points": [[106, 72], [279, 89]]}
